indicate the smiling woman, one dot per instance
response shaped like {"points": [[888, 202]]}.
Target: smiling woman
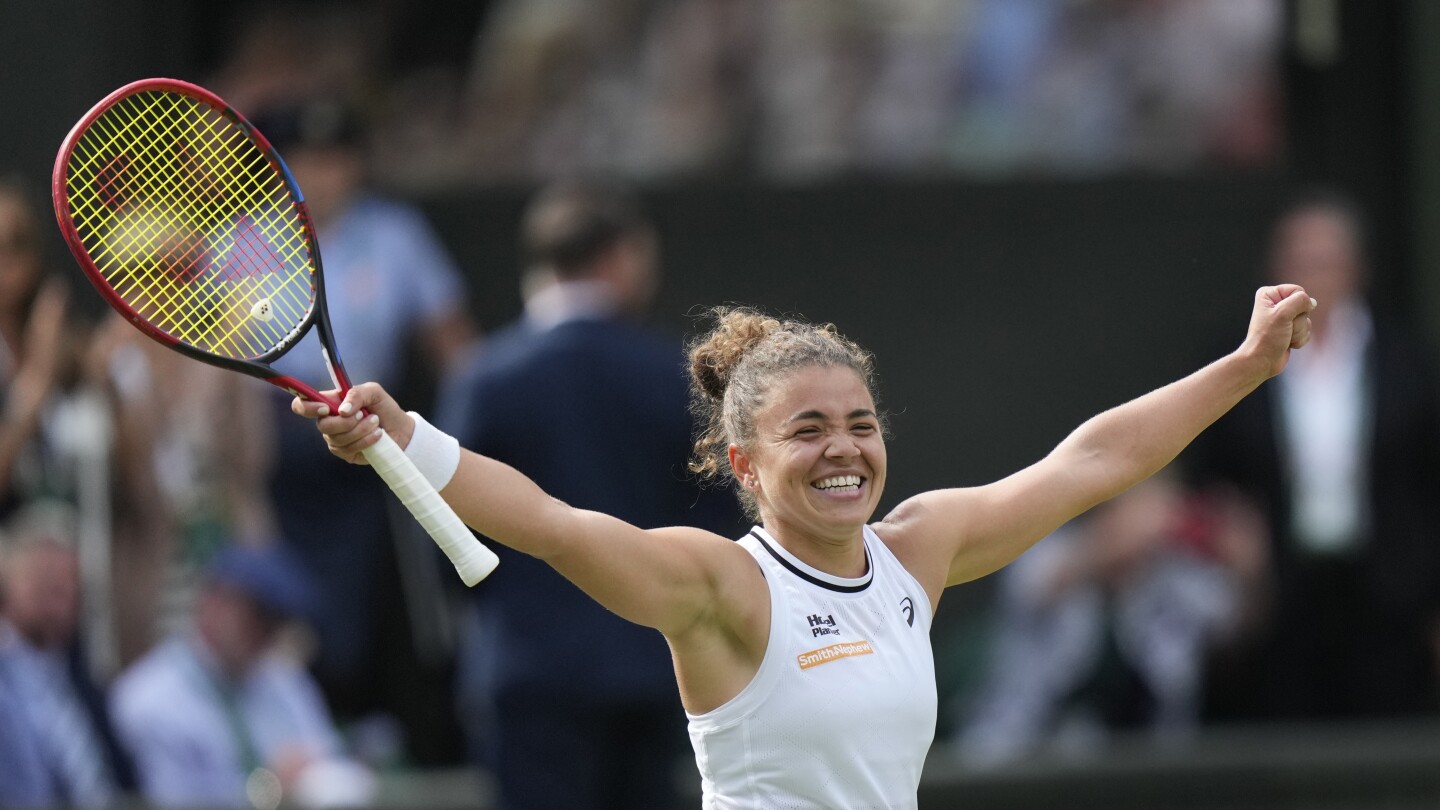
{"points": [[734, 369], [802, 651]]}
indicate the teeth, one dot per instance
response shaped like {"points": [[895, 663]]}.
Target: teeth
{"points": [[838, 481]]}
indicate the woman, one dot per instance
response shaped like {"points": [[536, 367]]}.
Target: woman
{"points": [[801, 651]]}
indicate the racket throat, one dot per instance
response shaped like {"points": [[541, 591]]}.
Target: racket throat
{"points": [[341, 384]]}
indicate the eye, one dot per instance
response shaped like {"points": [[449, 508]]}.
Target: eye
{"points": [[863, 427]]}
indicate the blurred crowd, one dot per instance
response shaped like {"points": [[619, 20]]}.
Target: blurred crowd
{"points": [[1287, 571], [238, 619], [790, 90]]}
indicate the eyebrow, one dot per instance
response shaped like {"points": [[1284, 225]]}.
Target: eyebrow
{"points": [[814, 414]]}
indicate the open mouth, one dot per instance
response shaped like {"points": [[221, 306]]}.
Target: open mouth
{"points": [[839, 484]]}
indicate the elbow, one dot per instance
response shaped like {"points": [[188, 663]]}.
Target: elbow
{"points": [[553, 531]]}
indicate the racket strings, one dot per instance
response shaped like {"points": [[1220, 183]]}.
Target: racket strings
{"points": [[199, 194], [186, 219], [205, 197]]}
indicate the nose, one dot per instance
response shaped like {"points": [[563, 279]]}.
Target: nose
{"points": [[842, 447]]}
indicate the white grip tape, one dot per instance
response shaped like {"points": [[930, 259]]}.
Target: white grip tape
{"points": [[472, 560]]}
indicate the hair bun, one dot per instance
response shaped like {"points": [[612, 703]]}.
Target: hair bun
{"points": [[714, 357]]}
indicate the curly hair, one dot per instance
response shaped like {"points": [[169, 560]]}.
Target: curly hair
{"points": [[732, 369]]}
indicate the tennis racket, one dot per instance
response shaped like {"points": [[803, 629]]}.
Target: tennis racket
{"points": [[189, 223]]}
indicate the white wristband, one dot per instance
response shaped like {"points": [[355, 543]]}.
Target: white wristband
{"points": [[436, 454]]}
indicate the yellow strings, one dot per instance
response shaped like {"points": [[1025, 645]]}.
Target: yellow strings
{"points": [[190, 225]]}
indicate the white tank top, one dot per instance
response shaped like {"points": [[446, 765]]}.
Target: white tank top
{"points": [[842, 710]]}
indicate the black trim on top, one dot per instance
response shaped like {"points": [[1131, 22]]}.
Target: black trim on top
{"points": [[814, 580]]}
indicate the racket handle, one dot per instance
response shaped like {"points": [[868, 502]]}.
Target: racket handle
{"points": [[472, 559]]}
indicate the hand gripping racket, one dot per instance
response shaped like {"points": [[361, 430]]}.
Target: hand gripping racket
{"points": [[189, 223]]}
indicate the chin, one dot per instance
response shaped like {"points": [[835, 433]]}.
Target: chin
{"points": [[849, 517]]}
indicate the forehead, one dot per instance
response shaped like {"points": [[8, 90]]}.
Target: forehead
{"points": [[834, 391]]}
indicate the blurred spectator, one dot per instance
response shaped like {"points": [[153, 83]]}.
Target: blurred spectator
{"points": [[60, 710], [817, 62], [805, 88], [1108, 85], [394, 293], [1342, 455], [697, 107], [55, 437], [37, 358], [24, 781], [184, 492], [1104, 627], [553, 88], [536, 398], [283, 51], [218, 716]]}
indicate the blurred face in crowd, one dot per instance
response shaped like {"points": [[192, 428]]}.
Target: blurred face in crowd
{"points": [[631, 270], [329, 176], [1130, 530], [1319, 249], [19, 253], [237, 628], [42, 593]]}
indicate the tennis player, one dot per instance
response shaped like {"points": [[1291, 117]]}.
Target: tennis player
{"points": [[802, 651]]}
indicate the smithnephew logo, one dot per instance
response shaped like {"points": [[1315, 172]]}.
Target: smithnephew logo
{"points": [[834, 652]]}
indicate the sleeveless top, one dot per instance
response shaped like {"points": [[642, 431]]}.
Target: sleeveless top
{"points": [[842, 710]]}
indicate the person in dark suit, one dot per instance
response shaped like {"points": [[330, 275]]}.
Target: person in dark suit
{"points": [[592, 405], [1342, 453]]}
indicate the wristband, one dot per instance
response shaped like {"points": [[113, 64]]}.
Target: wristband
{"points": [[436, 454]]}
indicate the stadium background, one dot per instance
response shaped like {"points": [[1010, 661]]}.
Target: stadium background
{"points": [[1003, 310]]}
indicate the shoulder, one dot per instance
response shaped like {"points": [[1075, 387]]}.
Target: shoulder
{"points": [[499, 377], [735, 575], [284, 678], [153, 686], [503, 353], [376, 211], [623, 332], [921, 532], [398, 235], [914, 520], [718, 651], [645, 355], [613, 349], [501, 346], [727, 557]]}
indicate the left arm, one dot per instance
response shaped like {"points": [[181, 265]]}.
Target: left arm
{"points": [[955, 535]]}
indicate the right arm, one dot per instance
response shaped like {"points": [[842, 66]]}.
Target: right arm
{"points": [[670, 579]]}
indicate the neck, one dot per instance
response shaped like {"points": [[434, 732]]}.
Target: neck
{"points": [[842, 555], [224, 661], [572, 299]]}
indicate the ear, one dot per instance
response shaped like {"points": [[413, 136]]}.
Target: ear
{"points": [[743, 467]]}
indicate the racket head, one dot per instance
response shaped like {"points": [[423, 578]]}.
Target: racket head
{"points": [[188, 222]]}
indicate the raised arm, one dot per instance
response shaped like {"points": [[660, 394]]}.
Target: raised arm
{"points": [[668, 578], [956, 535]]}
